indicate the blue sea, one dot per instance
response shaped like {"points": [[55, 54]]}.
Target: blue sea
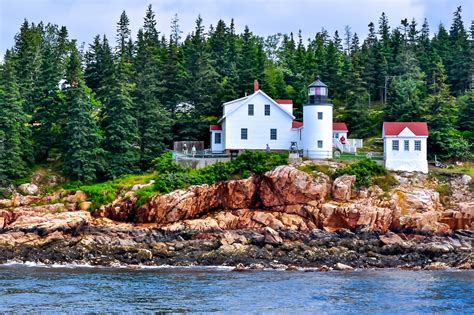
{"points": [[32, 289]]}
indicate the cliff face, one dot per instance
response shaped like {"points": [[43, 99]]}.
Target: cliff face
{"points": [[283, 217], [286, 198]]}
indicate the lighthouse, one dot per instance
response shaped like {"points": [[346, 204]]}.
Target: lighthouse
{"points": [[317, 117]]}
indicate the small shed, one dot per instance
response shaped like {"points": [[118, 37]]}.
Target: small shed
{"points": [[405, 146]]}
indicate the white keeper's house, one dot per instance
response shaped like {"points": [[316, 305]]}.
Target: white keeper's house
{"points": [[255, 121], [404, 146]]}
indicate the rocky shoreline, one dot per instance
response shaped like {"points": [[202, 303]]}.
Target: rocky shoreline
{"points": [[283, 219], [245, 249]]}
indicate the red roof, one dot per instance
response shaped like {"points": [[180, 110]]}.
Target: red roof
{"points": [[296, 124], [339, 126], [395, 128], [216, 127], [284, 102]]}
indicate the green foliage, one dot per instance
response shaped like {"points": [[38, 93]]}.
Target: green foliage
{"points": [[14, 134], [448, 143], [83, 158], [312, 168], [151, 90], [171, 176], [105, 192], [365, 172]]}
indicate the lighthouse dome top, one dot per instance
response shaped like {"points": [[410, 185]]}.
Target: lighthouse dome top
{"points": [[317, 83], [317, 93]]}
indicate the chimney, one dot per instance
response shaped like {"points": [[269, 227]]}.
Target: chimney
{"points": [[255, 86]]}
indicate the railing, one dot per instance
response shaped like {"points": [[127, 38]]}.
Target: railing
{"points": [[201, 154], [358, 156], [350, 145]]}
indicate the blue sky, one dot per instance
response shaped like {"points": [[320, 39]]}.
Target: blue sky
{"points": [[86, 18]]}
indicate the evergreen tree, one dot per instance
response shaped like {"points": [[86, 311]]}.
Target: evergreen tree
{"points": [[441, 107], [466, 112], [82, 141], [200, 88], [14, 133], [458, 63], [405, 102], [153, 121]]}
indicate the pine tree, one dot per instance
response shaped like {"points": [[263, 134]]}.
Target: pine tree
{"points": [[441, 106], [153, 121], [405, 93], [173, 72], [466, 112], [82, 141], [369, 60], [27, 55], [200, 88], [48, 116], [122, 141], [458, 63], [15, 151]]}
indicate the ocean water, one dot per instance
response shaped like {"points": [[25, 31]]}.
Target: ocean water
{"points": [[29, 289]]}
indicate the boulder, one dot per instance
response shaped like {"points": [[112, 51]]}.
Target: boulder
{"points": [[342, 267], [390, 238], [28, 189], [46, 223], [466, 179], [416, 199], [5, 203], [342, 187], [349, 216], [271, 236], [462, 218], [85, 205], [77, 197]]}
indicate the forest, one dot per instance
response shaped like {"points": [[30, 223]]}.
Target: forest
{"points": [[111, 107]]}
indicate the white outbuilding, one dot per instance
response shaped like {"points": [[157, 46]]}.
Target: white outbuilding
{"points": [[405, 146], [258, 122]]}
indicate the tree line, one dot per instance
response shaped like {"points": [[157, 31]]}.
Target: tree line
{"points": [[112, 107]]}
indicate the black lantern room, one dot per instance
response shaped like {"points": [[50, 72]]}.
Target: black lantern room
{"points": [[317, 92]]}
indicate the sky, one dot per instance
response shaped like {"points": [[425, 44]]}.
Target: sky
{"points": [[86, 18]]}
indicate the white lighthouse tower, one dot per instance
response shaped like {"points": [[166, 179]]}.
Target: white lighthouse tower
{"points": [[317, 119]]}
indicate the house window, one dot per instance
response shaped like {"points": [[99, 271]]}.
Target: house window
{"points": [[394, 145], [273, 134], [320, 115], [336, 135], [320, 144], [267, 110], [243, 133], [250, 109], [417, 145], [217, 138], [406, 145]]}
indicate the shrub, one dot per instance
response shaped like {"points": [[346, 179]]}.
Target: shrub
{"points": [[172, 176], [104, 193], [365, 172]]}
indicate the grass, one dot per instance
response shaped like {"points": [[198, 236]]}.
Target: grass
{"points": [[464, 169], [354, 157], [106, 192], [311, 168]]}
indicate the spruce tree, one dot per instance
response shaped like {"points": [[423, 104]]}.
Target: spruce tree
{"points": [[15, 150], [83, 155], [154, 122], [122, 142], [458, 61], [200, 88], [441, 106]]}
